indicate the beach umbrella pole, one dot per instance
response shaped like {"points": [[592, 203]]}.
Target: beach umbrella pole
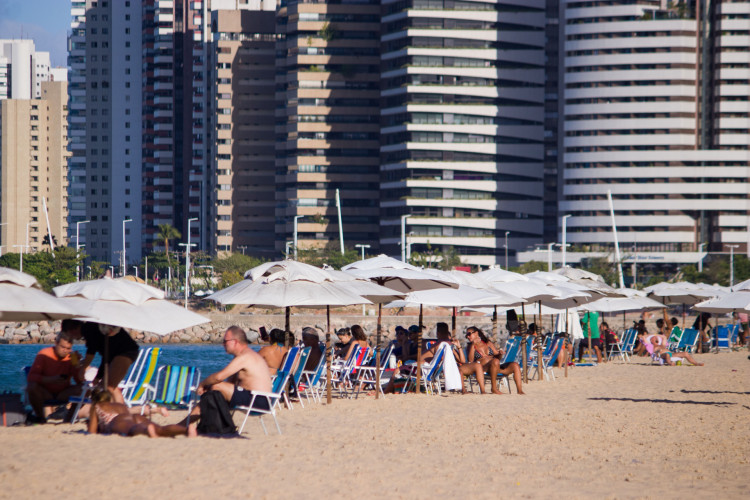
{"points": [[329, 396], [377, 351], [419, 352], [494, 324], [566, 360], [524, 354], [539, 360], [453, 323], [287, 328]]}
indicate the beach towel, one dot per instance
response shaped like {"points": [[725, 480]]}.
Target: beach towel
{"points": [[450, 369], [574, 324], [215, 416]]}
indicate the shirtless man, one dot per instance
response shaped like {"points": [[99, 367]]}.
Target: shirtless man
{"points": [[274, 353], [247, 372]]}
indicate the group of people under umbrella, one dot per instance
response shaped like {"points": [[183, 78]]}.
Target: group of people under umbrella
{"points": [[381, 280]]}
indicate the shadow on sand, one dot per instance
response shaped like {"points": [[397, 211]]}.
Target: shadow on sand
{"points": [[685, 391], [670, 401]]}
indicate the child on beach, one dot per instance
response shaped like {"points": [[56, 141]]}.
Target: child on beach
{"points": [[108, 417]]}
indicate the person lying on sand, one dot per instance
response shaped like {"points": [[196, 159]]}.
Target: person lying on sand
{"points": [[109, 417], [488, 355]]}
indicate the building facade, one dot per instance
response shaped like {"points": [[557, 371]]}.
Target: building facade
{"points": [[22, 70], [243, 84], [327, 122], [656, 112], [33, 170], [462, 123]]}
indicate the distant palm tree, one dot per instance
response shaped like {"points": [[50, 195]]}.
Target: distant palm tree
{"points": [[167, 232]]}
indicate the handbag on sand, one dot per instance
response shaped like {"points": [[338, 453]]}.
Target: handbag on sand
{"points": [[11, 409]]}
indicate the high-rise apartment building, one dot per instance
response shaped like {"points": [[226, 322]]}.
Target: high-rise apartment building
{"points": [[327, 122], [462, 124], [243, 85], [33, 169], [657, 112], [22, 70], [105, 98], [140, 123]]}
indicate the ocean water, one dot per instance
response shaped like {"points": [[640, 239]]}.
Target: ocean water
{"points": [[208, 357]]}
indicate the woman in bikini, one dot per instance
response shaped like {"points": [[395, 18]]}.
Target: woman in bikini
{"points": [[108, 417], [488, 355]]}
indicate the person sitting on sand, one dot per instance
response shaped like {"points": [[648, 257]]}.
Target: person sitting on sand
{"points": [[466, 369], [488, 355], [274, 353], [247, 372], [51, 373], [657, 346], [109, 417], [346, 344], [360, 337]]}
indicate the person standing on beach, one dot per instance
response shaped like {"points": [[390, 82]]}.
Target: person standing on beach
{"points": [[590, 325], [50, 375], [247, 372]]}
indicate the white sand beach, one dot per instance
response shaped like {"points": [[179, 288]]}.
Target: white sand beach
{"points": [[612, 431]]}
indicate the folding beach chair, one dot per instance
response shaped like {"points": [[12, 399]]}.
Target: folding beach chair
{"points": [[288, 364], [367, 374], [430, 373], [265, 403], [341, 377], [297, 373], [549, 357], [624, 347], [688, 340], [175, 387], [721, 338], [312, 378]]}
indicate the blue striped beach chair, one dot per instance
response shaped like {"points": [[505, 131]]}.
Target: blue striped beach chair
{"points": [[175, 387]]}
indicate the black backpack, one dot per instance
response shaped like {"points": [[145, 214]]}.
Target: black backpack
{"points": [[215, 416]]}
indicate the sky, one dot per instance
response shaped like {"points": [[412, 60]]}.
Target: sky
{"points": [[45, 21]]}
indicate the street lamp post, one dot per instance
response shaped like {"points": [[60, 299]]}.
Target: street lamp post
{"points": [[363, 258], [408, 245], [124, 260], [506, 249], [731, 263], [22, 247], [187, 262], [549, 256], [78, 246], [296, 218], [564, 237], [403, 236], [243, 248], [1, 246]]}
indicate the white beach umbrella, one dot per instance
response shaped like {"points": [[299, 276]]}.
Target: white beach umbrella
{"points": [[681, 293], [127, 304], [287, 284], [733, 302], [402, 277], [22, 299]]}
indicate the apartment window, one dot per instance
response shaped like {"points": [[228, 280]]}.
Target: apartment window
{"points": [[127, 164], [127, 31], [127, 124], [127, 138]]}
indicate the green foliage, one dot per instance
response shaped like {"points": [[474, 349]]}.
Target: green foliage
{"points": [[330, 255], [604, 268], [327, 32], [530, 267], [167, 232], [49, 270], [432, 258], [234, 263], [229, 278]]}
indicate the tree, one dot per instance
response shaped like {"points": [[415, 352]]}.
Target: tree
{"points": [[530, 267], [50, 271], [330, 255], [167, 232], [445, 260], [235, 263]]}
